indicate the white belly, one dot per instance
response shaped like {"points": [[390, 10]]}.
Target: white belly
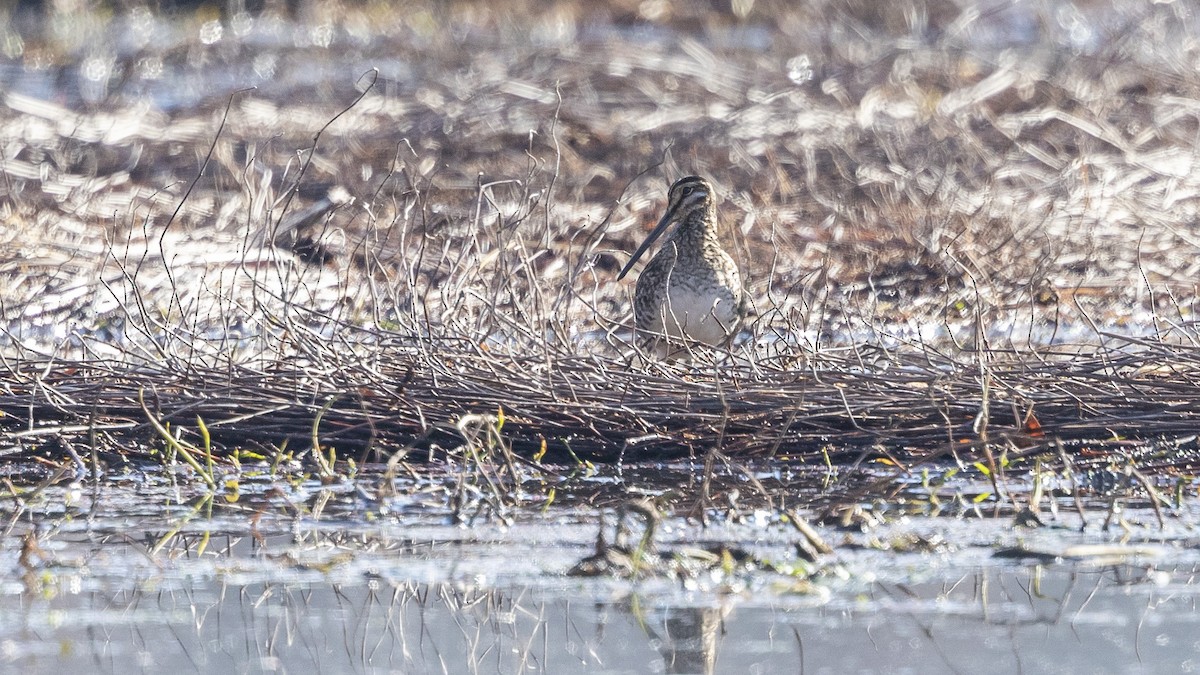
{"points": [[708, 316]]}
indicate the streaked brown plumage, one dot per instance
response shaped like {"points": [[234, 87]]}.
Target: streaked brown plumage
{"points": [[691, 291]]}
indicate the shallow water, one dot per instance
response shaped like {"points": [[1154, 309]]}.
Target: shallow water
{"points": [[981, 620], [141, 574]]}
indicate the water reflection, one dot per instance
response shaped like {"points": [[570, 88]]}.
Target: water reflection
{"points": [[689, 637], [1032, 619]]}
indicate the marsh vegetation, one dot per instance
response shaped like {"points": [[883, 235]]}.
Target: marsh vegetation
{"points": [[360, 259]]}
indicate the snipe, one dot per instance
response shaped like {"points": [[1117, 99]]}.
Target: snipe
{"points": [[691, 292]]}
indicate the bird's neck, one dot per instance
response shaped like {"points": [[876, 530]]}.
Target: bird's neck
{"points": [[697, 228]]}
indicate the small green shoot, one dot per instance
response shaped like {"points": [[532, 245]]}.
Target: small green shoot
{"points": [[324, 466], [183, 448], [207, 444]]}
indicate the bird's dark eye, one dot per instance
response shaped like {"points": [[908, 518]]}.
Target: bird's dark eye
{"points": [[688, 190]]}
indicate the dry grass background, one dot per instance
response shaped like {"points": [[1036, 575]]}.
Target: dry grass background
{"points": [[966, 226]]}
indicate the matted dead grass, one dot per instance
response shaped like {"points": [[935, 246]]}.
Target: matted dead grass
{"points": [[965, 229]]}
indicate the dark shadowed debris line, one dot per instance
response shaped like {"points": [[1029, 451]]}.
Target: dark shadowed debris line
{"points": [[598, 408]]}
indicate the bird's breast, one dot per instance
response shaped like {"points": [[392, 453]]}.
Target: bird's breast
{"points": [[692, 298]]}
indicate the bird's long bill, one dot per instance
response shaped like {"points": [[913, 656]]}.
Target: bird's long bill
{"points": [[654, 234]]}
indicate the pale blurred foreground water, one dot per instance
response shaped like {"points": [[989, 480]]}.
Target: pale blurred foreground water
{"points": [[310, 579]]}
